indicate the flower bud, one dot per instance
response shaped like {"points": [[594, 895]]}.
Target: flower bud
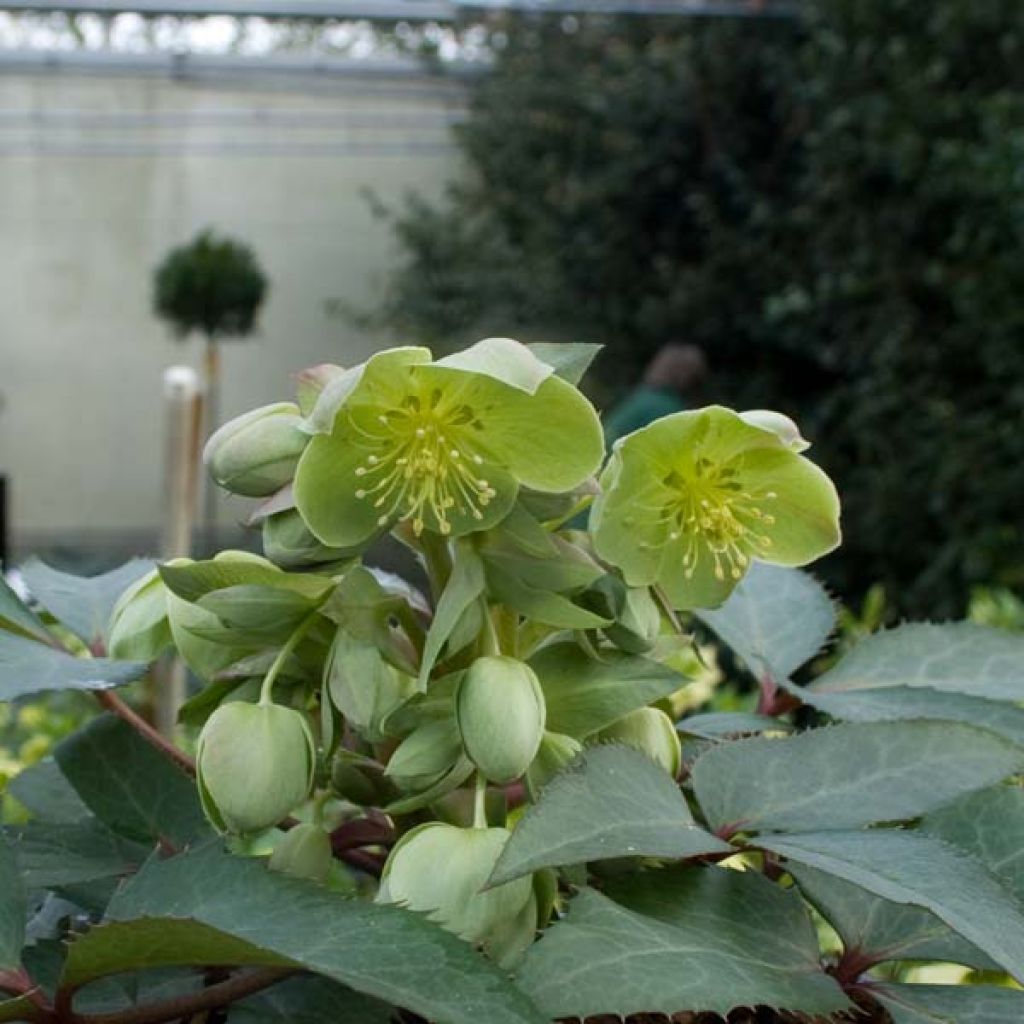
{"points": [[139, 629], [303, 852], [651, 732], [254, 764], [555, 752], [501, 713], [441, 869], [256, 453]]}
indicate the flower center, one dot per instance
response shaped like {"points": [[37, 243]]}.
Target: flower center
{"points": [[716, 518], [422, 462]]}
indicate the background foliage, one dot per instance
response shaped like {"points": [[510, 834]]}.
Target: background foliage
{"points": [[832, 206]]}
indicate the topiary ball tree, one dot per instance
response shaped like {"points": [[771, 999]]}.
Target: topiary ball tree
{"points": [[216, 286]]}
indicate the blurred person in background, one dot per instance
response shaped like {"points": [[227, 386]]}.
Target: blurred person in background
{"points": [[672, 382]]}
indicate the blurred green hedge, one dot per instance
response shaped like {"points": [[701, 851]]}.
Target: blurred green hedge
{"points": [[833, 206]]}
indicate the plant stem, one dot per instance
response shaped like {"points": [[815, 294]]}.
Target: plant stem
{"points": [[110, 700], [266, 691], [187, 1006], [581, 506], [480, 802], [489, 642]]}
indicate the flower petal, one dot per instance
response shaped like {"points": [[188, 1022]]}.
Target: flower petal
{"points": [[805, 509], [377, 379], [702, 589], [623, 520], [550, 441], [507, 361], [325, 492]]}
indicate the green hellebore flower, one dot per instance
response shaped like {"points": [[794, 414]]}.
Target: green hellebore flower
{"points": [[442, 869], [303, 852], [689, 501], [444, 444]]}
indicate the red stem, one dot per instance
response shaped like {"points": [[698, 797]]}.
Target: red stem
{"points": [[110, 700], [180, 1007]]}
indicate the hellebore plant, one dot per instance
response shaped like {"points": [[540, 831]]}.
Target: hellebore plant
{"points": [[478, 795]]}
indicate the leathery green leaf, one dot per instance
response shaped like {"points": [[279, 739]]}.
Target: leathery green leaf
{"points": [[848, 775]]}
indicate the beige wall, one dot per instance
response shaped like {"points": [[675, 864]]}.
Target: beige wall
{"points": [[98, 178]]}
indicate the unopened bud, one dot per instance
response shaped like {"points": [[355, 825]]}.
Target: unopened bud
{"points": [[650, 731], [254, 764], [303, 852], [256, 454], [501, 713]]}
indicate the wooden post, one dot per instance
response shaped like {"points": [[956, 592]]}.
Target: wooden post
{"points": [[4, 540], [183, 419]]}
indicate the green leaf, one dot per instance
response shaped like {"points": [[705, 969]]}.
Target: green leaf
{"points": [[263, 614], [194, 580], [129, 785], [880, 930], [52, 855], [541, 605], [715, 725], [569, 360], [958, 657], [896, 703], [310, 1000], [847, 775], [464, 586], [907, 867], [386, 952], [45, 792], [12, 908], [950, 1004], [82, 603], [990, 826], [28, 667], [712, 945], [584, 695], [775, 620], [16, 617], [612, 801]]}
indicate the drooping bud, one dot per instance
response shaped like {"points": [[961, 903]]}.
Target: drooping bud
{"points": [[650, 731], [303, 852], [501, 713], [254, 764], [555, 752], [256, 453], [441, 869], [139, 628]]}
